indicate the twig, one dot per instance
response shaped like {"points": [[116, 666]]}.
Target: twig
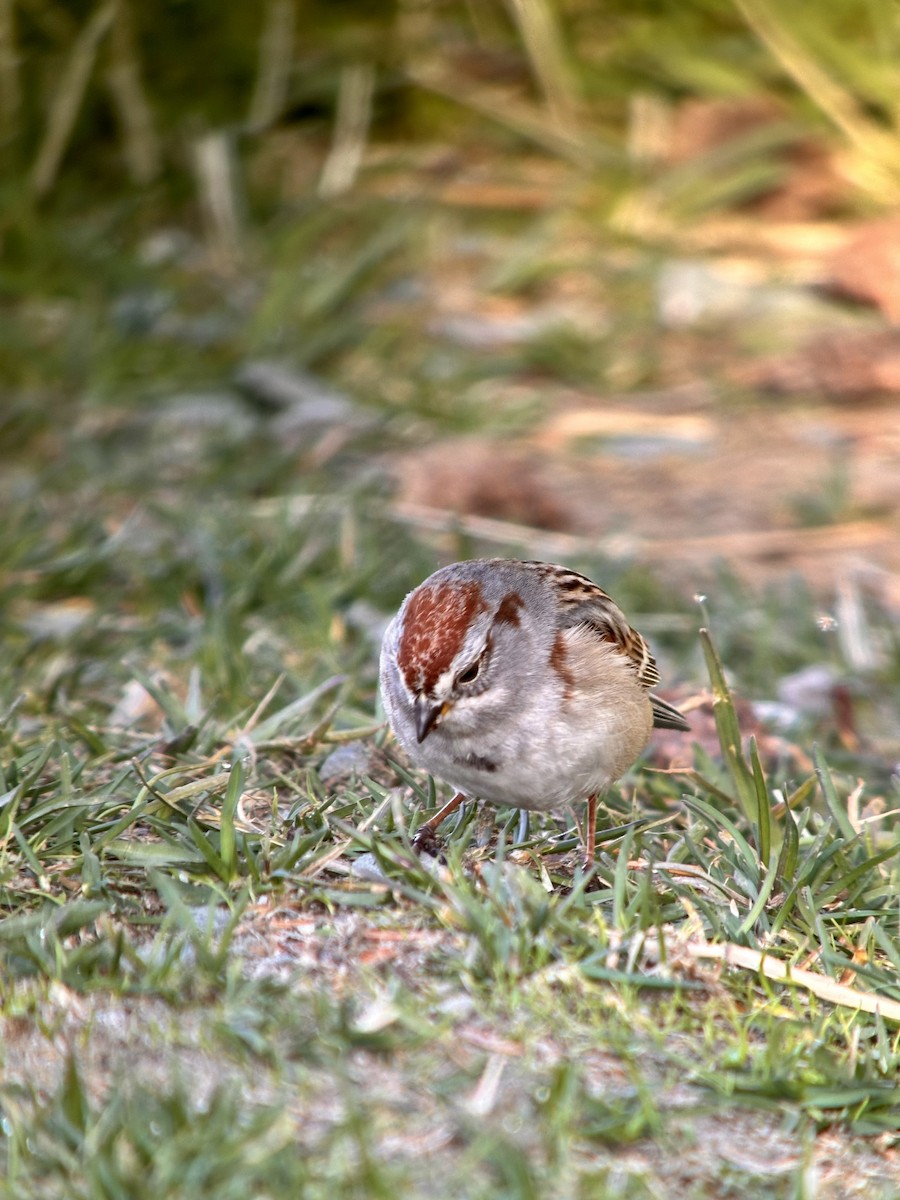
{"points": [[751, 543], [68, 98], [276, 52], [215, 169], [774, 968], [123, 77], [351, 127]]}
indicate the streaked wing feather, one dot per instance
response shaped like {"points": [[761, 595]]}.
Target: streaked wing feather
{"points": [[584, 603], [638, 652]]}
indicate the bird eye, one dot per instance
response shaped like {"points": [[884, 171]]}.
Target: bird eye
{"points": [[470, 674]]}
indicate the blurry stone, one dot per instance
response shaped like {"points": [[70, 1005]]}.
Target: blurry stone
{"points": [[167, 246], [490, 330], [809, 691], [190, 422], [56, 620], [138, 313], [211, 923], [365, 618], [280, 388], [347, 760], [304, 409], [476, 476], [643, 449], [366, 867], [205, 330], [150, 312], [404, 290], [134, 705], [776, 715], [379, 1013], [696, 291], [691, 291], [457, 1006]]}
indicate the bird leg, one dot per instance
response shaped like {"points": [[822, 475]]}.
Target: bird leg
{"points": [[522, 830], [590, 832], [424, 840]]}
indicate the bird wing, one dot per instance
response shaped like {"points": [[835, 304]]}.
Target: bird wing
{"points": [[582, 602]]}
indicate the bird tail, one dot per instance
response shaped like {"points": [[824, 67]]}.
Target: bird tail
{"points": [[665, 716]]}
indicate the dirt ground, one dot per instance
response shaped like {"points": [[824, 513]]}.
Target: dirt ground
{"points": [[769, 436], [682, 487]]}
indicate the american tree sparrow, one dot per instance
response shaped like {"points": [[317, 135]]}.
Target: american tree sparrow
{"points": [[519, 683]]}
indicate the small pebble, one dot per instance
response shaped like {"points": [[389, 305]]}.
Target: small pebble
{"points": [[366, 867], [351, 758]]}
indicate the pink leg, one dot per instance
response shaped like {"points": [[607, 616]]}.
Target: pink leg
{"points": [[590, 833]]}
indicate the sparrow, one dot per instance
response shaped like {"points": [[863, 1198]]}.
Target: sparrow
{"points": [[519, 683]]}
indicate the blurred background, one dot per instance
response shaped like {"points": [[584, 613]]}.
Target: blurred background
{"points": [[608, 282]]}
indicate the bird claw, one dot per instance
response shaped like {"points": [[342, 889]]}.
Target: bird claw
{"points": [[426, 841]]}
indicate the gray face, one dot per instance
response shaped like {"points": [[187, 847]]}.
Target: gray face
{"points": [[464, 647]]}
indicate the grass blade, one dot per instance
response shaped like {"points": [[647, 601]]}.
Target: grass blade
{"points": [[835, 807], [227, 840], [728, 728], [790, 849], [763, 808]]}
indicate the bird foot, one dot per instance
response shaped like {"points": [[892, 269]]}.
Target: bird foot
{"points": [[426, 841]]}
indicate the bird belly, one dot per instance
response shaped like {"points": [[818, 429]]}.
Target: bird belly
{"points": [[540, 771]]}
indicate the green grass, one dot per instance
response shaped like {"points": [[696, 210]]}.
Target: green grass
{"points": [[184, 934], [223, 971], [207, 987]]}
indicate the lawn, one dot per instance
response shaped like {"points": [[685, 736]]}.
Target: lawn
{"points": [[223, 969]]}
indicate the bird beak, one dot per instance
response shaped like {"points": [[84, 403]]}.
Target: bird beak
{"points": [[427, 716]]}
